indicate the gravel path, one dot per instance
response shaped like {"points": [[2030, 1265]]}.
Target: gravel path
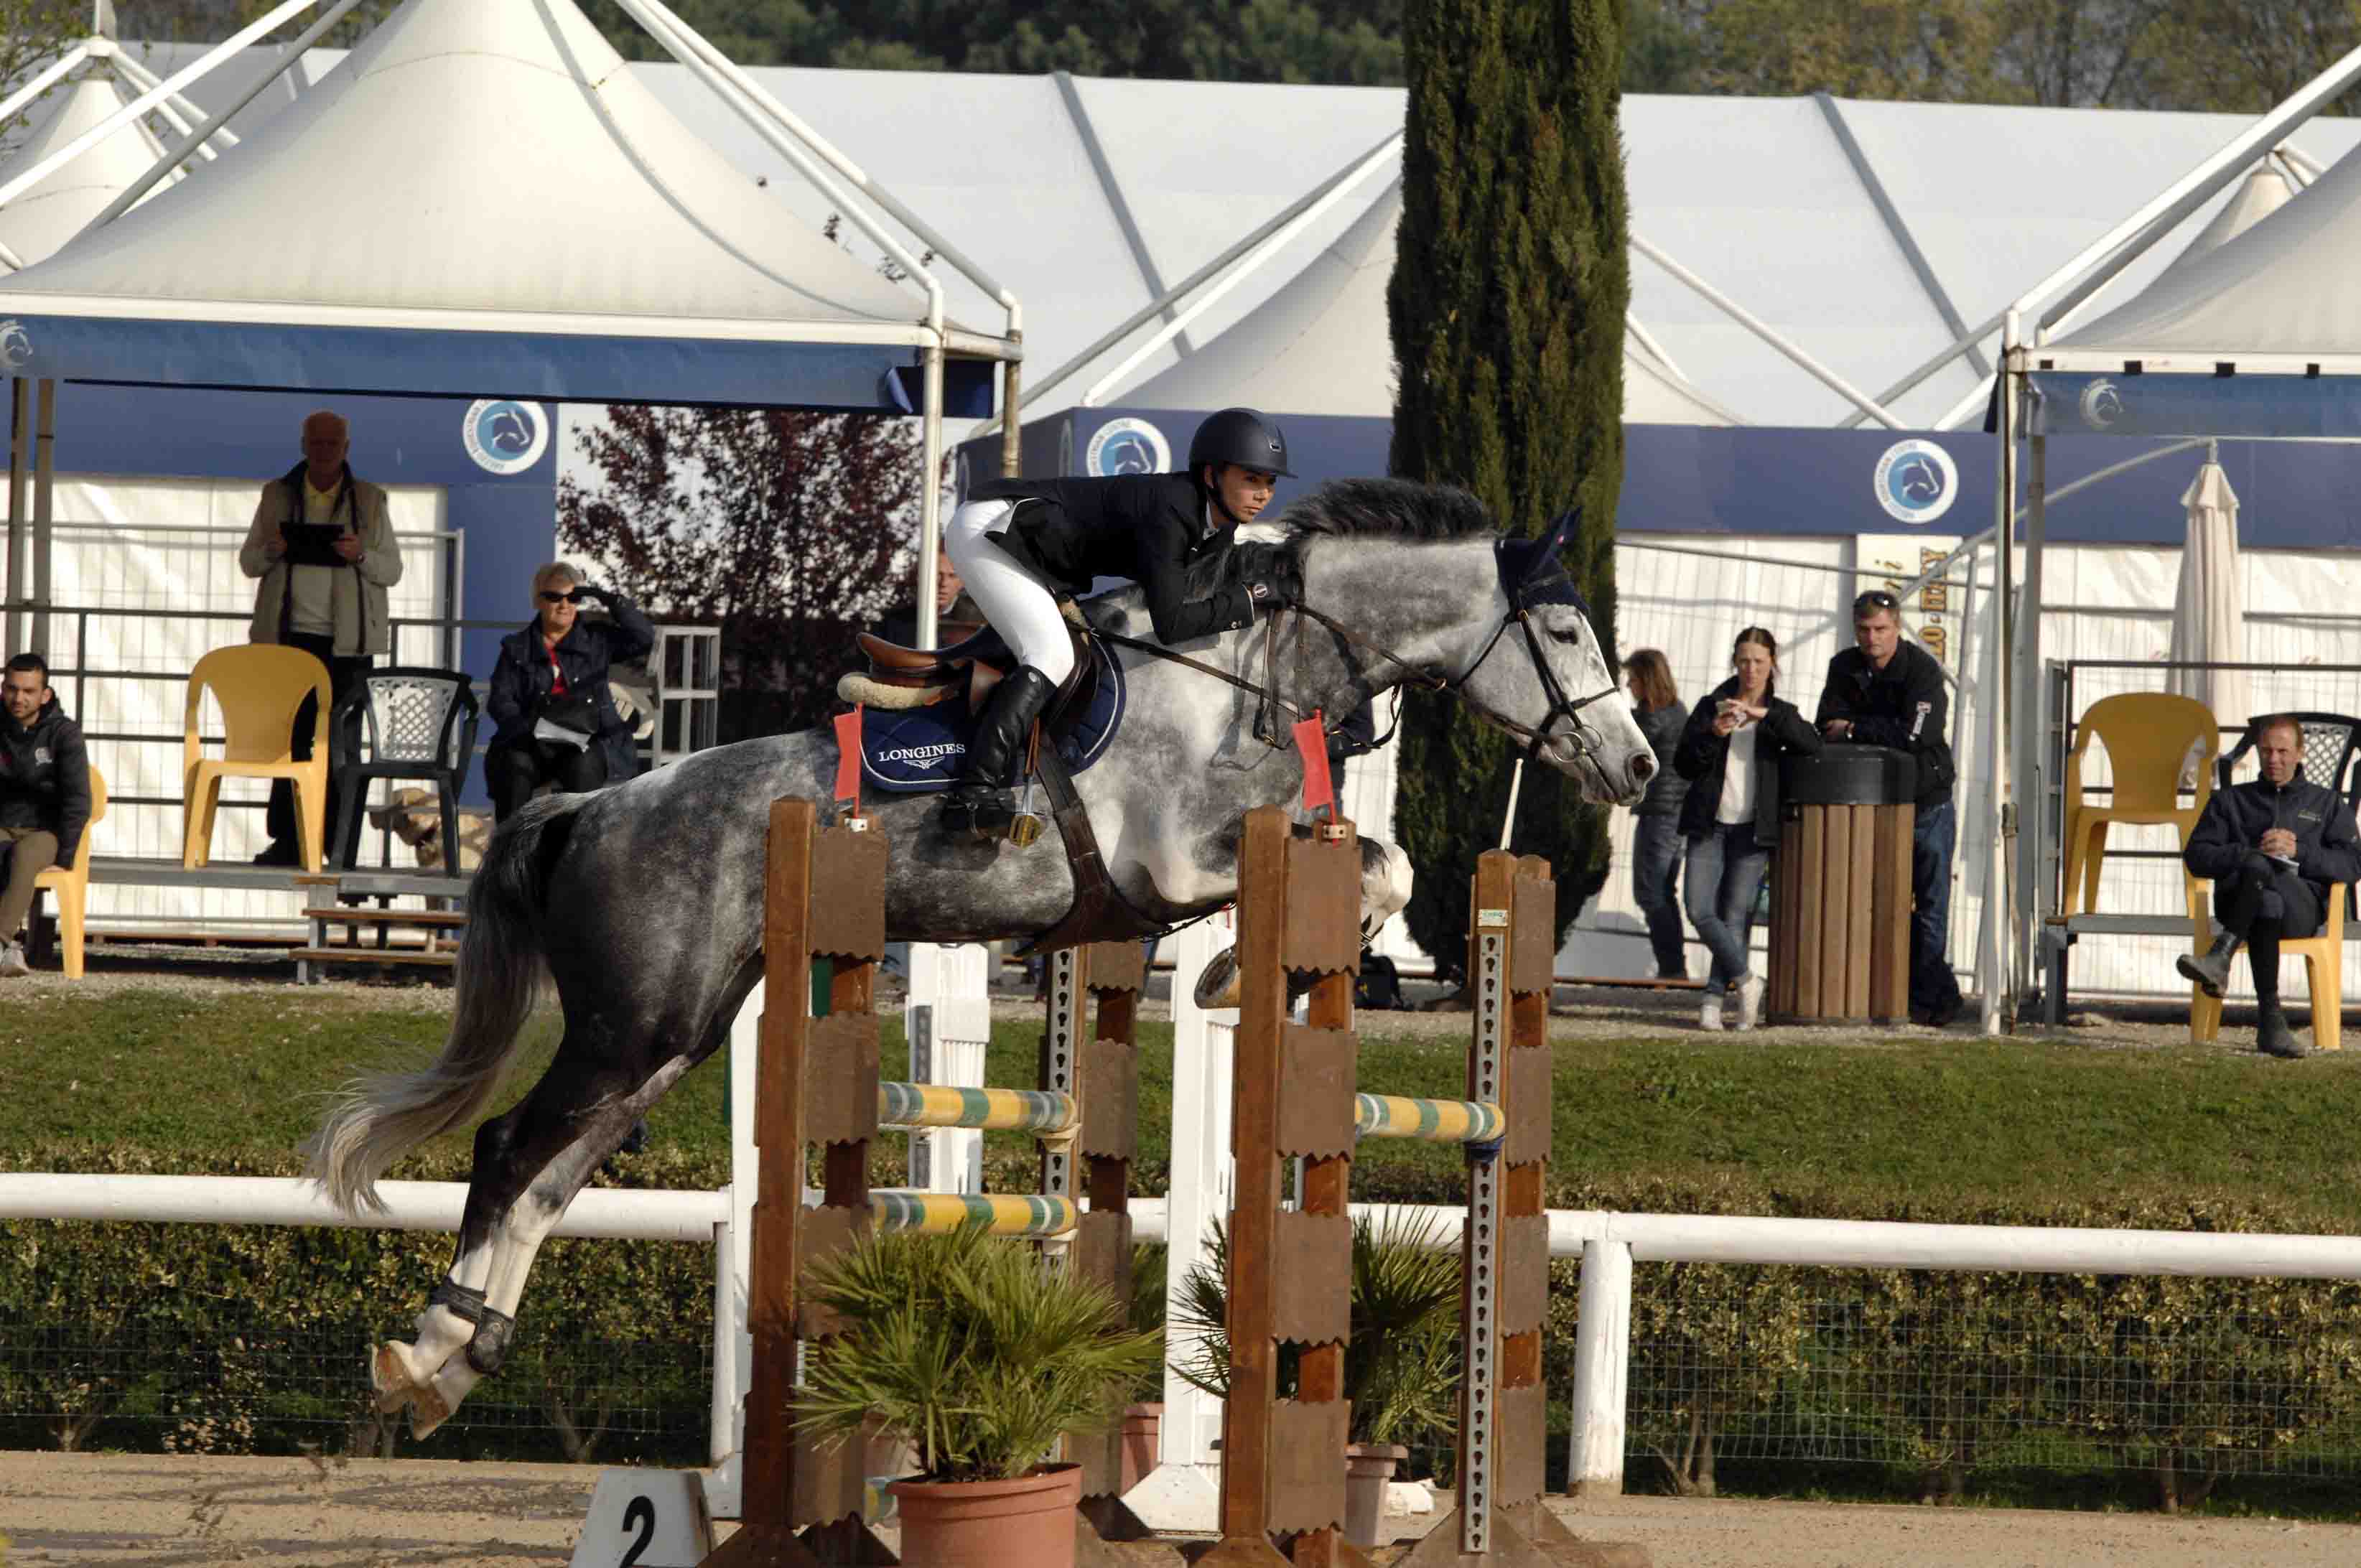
{"points": [[76, 1510]]}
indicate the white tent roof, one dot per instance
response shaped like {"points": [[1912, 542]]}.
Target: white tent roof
{"points": [[2264, 191], [2284, 295], [476, 165], [38, 220], [1757, 195], [1323, 344], [1081, 193]]}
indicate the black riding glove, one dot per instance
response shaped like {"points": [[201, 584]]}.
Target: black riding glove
{"points": [[1272, 575]]}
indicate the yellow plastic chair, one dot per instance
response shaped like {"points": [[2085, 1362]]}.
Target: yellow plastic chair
{"points": [[2323, 966], [71, 885], [259, 686], [2147, 736]]}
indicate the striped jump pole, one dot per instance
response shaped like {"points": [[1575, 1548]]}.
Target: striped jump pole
{"points": [[1427, 1121], [905, 1105], [941, 1213]]}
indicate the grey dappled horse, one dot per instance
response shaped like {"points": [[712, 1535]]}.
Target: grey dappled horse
{"points": [[644, 902]]}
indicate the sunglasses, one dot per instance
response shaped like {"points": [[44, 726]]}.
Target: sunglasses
{"points": [[1875, 598], [572, 597]]}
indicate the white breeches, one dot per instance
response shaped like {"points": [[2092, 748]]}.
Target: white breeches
{"points": [[1020, 606]]}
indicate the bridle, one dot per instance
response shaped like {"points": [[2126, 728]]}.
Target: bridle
{"points": [[1531, 576]]}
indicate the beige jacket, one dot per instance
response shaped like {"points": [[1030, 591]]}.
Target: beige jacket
{"points": [[358, 594]]}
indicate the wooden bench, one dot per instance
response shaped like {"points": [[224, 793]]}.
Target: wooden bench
{"points": [[2060, 932], [332, 900]]}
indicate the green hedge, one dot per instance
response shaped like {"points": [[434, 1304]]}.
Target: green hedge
{"points": [[254, 1339]]}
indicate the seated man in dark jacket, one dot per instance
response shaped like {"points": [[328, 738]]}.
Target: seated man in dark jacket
{"points": [[44, 795], [2277, 849]]}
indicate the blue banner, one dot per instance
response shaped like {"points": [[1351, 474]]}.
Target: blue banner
{"points": [[2073, 403], [548, 366]]}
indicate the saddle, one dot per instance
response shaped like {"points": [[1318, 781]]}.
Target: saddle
{"points": [[897, 676], [918, 677]]}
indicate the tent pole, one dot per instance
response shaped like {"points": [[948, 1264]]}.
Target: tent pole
{"points": [[1994, 981], [1206, 300], [930, 493], [189, 144], [1012, 420], [19, 535], [42, 81], [2026, 736], [45, 435], [1157, 307], [1768, 334], [250, 33], [2109, 251]]}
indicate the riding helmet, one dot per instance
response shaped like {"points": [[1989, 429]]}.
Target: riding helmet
{"points": [[1243, 436]]}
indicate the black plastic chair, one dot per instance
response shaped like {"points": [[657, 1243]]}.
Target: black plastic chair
{"points": [[2330, 742], [412, 723]]}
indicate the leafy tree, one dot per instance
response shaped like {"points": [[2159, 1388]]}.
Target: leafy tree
{"points": [[790, 528], [32, 33], [1506, 304]]}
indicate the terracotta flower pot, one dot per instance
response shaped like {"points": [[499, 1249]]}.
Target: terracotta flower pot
{"points": [[1141, 1423], [990, 1524], [1367, 1467]]}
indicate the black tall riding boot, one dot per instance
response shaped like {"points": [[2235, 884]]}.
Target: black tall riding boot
{"points": [[2211, 971], [983, 802], [2272, 1036]]}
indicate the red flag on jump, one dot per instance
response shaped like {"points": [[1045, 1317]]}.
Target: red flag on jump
{"points": [[1311, 741], [847, 759]]}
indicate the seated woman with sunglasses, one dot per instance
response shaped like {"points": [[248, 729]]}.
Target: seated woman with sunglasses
{"points": [[555, 714]]}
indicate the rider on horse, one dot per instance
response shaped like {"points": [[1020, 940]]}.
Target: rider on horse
{"points": [[1022, 545]]}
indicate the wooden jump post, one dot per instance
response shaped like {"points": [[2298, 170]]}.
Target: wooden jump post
{"points": [[817, 1082], [1290, 1271]]}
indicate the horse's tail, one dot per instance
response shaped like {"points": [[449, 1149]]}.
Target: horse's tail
{"points": [[378, 1119]]}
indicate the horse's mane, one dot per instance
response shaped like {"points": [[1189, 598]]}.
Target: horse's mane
{"points": [[1362, 509]]}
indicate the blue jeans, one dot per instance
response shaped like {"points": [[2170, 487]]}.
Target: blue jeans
{"points": [[1725, 872], [1656, 857], [1933, 986]]}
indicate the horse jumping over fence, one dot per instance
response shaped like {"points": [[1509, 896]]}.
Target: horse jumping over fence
{"points": [[643, 903]]}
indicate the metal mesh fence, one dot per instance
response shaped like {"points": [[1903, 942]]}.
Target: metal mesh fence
{"points": [[255, 1383], [1946, 1374]]}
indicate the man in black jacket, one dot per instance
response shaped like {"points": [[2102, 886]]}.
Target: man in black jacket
{"points": [[44, 795], [1885, 692], [2277, 849]]}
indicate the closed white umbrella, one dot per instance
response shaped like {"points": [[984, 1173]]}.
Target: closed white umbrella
{"points": [[2209, 607]]}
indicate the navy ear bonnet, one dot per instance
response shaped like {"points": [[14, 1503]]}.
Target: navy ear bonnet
{"points": [[1531, 572]]}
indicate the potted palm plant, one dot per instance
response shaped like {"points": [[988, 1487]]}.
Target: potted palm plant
{"points": [[1401, 1365], [1143, 1417], [980, 1355]]}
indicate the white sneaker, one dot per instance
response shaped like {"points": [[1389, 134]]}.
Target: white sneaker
{"points": [[1709, 1015], [1750, 1002], [12, 960]]}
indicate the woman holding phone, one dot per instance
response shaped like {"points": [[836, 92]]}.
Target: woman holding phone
{"points": [[1729, 753]]}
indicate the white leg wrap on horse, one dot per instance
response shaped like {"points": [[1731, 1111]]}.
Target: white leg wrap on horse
{"points": [[1021, 607]]}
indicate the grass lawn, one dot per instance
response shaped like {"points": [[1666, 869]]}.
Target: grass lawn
{"points": [[1881, 1126]]}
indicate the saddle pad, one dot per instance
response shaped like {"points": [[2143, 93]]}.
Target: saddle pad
{"points": [[914, 750]]}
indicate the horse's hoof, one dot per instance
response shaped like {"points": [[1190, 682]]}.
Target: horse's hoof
{"points": [[390, 1378], [1217, 982], [428, 1409]]}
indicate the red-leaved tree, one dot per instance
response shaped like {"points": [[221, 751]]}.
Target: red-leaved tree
{"points": [[791, 530]]}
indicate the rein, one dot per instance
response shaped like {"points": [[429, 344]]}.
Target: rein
{"points": [[1561, 705]]}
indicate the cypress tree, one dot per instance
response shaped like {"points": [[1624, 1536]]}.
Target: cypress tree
{"points": [[1507, 304]]}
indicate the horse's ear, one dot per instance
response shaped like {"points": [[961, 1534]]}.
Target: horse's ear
{"points": [[1533, 570]]}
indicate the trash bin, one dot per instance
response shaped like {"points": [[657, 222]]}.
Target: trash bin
{"points": [[1840, 886]]}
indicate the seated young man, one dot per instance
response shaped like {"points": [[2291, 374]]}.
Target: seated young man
{"points": [[2277, 848], [44, 796]]}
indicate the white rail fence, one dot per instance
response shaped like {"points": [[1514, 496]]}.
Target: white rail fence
{"points": [[1179, 1494]]}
